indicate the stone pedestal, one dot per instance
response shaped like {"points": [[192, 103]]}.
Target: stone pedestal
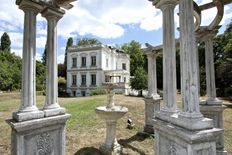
{"points": [[111, 146], [151, 106], [44, 136], [215, 112], [173, 140]]}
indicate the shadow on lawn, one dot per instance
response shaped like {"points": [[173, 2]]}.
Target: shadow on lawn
{"points": [[138, 137], [88, 151]]}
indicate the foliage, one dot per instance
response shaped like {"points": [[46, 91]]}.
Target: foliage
{"points": [[98, 91], [62, 87], [133, 48], [40, 76], [10, 71], [5, 42], [87, 41], [61, 70], [44, 55], [223, 62], [139, 82]]}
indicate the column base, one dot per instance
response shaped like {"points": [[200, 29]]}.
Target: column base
{"points": [[24, 116], [181, 119], [54, 112], [215, 112], [149, 129], [172, 139], [218, 152], [39, 136], [115, 149], [151, 106]]}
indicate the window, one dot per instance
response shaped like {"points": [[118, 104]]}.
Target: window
{"points": [[124, 66], [125, 79], [83, 80], [83, 93], [74, 62], [107, 63], [93, 60], [93, 79], [83, 61], [74, 93], [107, 78], [74, 79]]}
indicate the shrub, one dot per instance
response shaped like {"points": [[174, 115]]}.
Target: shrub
{"points": [[98, 91]]}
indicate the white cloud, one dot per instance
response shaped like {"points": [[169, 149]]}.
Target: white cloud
{"points": [[41, 42], [60, 59], [38, 56], [17, 52], [101, 18]]}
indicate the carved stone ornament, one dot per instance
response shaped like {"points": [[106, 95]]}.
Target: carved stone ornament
{"points": [[44, 144], [171, 149]]}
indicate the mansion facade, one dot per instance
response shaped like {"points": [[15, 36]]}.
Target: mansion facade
{"points": [[91, 67]]}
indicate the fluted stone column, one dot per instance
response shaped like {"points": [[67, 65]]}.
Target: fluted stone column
{"points": [[169, 56], [209, 64], [28, 109], [152, 100], [189, 82], [51, 106], [213, 107]]}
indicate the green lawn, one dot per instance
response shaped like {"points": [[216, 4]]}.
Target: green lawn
{"points": [[85, 131]]}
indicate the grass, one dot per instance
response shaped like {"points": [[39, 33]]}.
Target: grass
{"points": [[85, 131]]}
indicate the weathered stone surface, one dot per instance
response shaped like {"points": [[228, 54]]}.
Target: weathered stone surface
{"points": [[151, 106], [215, 112], [174, 140], [44, 136]]}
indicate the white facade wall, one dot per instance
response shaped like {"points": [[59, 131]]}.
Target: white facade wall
{"points": [[102, 53]]}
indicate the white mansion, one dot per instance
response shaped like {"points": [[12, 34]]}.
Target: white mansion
{"points": [[93, 66]]}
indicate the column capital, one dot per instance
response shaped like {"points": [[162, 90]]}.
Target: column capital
{"points": [[28, 5], [162, 4], [150, 54], [204, 33], [51, 13]]}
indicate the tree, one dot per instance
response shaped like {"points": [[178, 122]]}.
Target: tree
{"points": [[223, 62], [87, 41], [5, 42], [139, 82], [10, 71], [133, 48], [44, 55], [68, 44], [40, 76]]}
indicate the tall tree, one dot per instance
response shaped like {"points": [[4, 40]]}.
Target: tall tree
{"points": [[5, 42], [139, 82], [44, 55], [87, 41], [68, 44], [133, 48]]}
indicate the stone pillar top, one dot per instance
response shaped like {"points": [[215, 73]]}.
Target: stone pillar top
{"points": [[29, 5], [53, 13], [161, 4], [204, 33]]}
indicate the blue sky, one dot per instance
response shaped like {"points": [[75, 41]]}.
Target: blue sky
{"points": [[112, 22]]}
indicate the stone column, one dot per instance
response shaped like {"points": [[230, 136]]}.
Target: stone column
{"points": [[152, 100], [189, 82], [152, 79], [213, 107], [51, 106], [169, 56], [28, 109], [209, 64]]}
